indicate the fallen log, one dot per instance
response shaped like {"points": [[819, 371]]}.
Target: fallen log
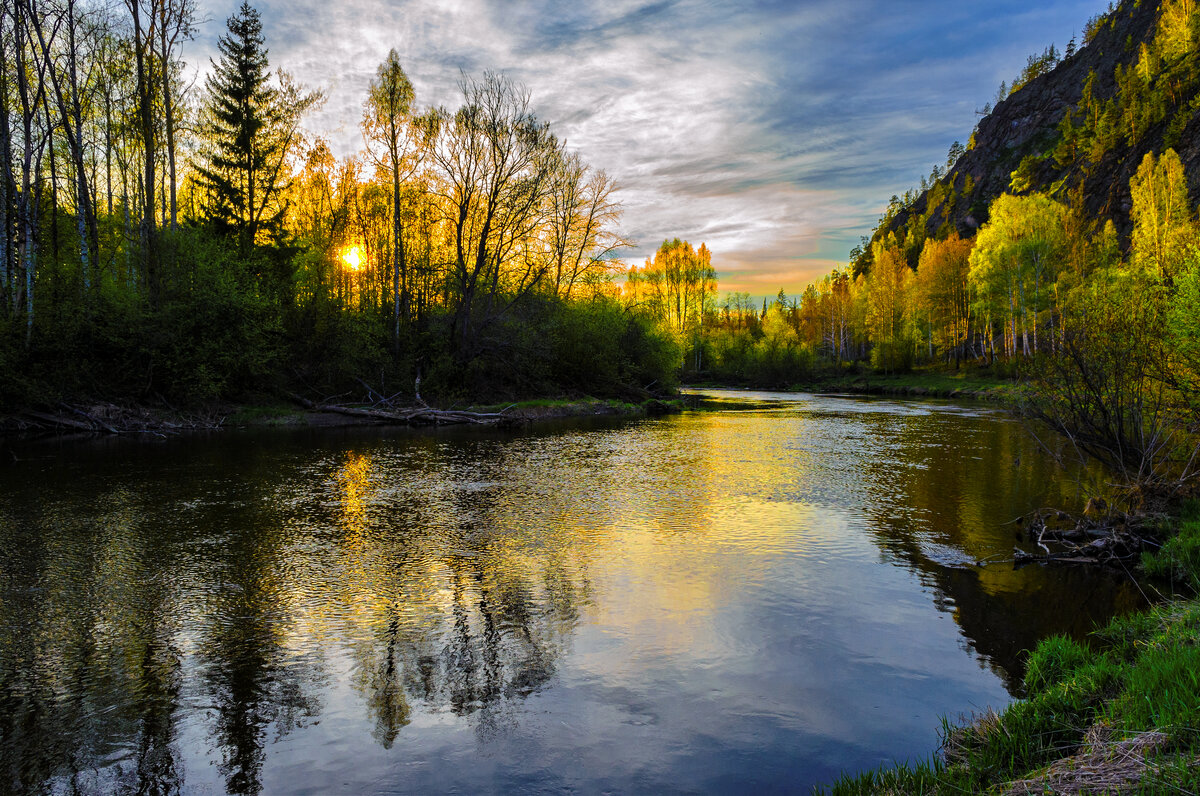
{"points": [[90, 417], [411, 417], [59, 421]]}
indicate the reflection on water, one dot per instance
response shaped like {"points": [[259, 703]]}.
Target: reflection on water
{"points": [[759, 596]]}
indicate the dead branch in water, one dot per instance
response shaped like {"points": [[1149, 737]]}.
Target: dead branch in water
{"points": [[1101, 536]]}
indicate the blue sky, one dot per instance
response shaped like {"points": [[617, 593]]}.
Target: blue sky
{"points": [[773, 131]]}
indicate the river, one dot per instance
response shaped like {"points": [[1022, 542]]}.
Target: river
{"points": [[756, 596]]}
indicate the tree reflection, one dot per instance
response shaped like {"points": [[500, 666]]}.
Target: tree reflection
{"points": [[464, 615], [245, 673], [388, 700], [931, 496], [88, 671]]}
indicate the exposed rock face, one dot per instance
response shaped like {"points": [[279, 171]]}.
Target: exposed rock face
{"points": [[1026, 124]]}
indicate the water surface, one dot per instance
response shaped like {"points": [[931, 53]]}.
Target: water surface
{"points": [[755, 598]]}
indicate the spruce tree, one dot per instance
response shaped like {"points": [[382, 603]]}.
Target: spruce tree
{"points": [[245, 138]]}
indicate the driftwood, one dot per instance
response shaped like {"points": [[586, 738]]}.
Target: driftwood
{"points": [[417, 416], [106, 419], [1100, 536]]}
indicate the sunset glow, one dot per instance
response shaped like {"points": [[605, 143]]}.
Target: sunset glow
{"points": [[352, 258]]}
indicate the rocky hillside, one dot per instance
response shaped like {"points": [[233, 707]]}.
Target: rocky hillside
{"points": [[1134, 87]]}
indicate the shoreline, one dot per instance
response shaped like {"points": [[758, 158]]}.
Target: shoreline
{"points": [[929, 384], [1114, 716], [111, 419]]}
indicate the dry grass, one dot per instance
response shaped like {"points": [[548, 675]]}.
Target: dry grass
{"points": [[1104, 766]]}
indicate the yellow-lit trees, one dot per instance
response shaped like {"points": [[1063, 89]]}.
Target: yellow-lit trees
{"points": [[1164, 224], [944, 294], [581, 236], [387, 126], [1014, 264], [889, 288], [678, 289], [677, 286]]}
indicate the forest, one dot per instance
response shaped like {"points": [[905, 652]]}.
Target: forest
{"points": [[178, 243]]}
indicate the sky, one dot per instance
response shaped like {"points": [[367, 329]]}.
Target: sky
{"points": [[775, 132]]}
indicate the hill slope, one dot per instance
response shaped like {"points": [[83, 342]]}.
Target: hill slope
{"points": [[1084, 124]]}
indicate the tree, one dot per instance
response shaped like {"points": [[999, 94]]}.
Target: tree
{"points": [[496, 162], [249, 131], [387, 118], [580, 235], [1104, 391], [68, 88], [888, 317], [143, 47], [176, 23], [944, 292], [1015, 261], [1164, 225], [679, 284]]}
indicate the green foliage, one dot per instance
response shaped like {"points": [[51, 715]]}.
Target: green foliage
{"points": [[1179, 557], [1164, 224], [1035, 67], [1025, 177], [1054, 660], [594, 347]]}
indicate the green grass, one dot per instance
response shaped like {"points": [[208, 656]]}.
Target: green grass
{"points": [[1142, 674], [1179, 558], [936, 382]]}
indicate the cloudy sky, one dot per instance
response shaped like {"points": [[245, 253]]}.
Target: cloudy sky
{"points": [[773, 130]]}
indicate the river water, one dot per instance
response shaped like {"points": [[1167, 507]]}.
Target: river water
{"points": [[753, 597]]}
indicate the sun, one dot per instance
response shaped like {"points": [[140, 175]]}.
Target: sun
{"points": [[352, 258]]}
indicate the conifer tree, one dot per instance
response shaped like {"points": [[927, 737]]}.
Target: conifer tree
{"points": [[249, 129]]}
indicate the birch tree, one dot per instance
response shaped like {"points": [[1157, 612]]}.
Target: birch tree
{"points": [[387, 124]]}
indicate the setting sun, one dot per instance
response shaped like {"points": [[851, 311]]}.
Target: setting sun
{"points": [[352, 258]]}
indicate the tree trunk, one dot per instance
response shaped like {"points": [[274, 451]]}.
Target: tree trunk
{"points": [[7, 186], [145, 83], [398, 264], [168, 115]]}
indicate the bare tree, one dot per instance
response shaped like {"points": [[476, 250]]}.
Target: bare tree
{"points": [[144, 34], [176, 24], [31, 93], [582, 212], [68, 91], [496, 163], [8, 187]]}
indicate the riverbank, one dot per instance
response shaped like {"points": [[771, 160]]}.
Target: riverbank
{"points": [[133, 419], [925, 384], [968, 384], [1120, 715]]}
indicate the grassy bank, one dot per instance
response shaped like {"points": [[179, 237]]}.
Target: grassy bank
{"points": [[972, 384], [1120, 716], [933, 382]]}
